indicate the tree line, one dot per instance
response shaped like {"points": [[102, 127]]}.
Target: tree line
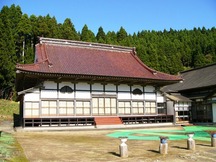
{"points": [[169, 51]]}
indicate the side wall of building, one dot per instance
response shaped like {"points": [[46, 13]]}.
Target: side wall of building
{"points": [[214, 108]]}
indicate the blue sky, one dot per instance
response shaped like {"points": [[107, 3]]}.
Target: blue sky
{"points": [[132, 15]]}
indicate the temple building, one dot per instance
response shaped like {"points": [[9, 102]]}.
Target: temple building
{"points": [[74, 83]]}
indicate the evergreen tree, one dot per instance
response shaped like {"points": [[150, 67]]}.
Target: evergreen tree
{"points": [[7, 53], [101, 36], [34, 26], [121, 35], [43, 29], [24, 30], [111, 38], [87, 35], [68, 31], [52, 27]]}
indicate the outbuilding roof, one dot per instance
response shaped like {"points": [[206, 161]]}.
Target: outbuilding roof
{"points": [[177, 97], [195, 78], [57, 56]]}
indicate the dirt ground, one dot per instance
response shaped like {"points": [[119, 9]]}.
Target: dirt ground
{"points": [[95, 146]]}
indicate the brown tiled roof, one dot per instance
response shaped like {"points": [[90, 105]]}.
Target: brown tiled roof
{"points": [[55, 56]]}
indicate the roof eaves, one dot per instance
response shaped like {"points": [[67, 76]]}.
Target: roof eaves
{"points": [[154, 72], [29, 89], [80, 76]]}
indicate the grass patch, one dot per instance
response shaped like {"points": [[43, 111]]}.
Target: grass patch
{"points": [[10, 150], [7, 109], [6, 142]]}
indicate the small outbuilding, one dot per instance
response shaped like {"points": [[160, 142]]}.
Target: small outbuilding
{"points": [[180, 107], [199, 86]]}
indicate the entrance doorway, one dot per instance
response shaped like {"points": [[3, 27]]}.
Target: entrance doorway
{"points": [[104, 106]]}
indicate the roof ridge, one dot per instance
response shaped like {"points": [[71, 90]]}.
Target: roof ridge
{"points": [[202, 67], [84, 44], [47, 59]]}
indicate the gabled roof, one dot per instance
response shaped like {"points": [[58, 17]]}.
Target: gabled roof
{"points": [[56, 56], [195, 78]]}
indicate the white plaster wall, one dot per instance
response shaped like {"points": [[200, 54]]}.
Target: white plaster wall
{"points": [[83, 95], [124, 87], [83, 86], [66, 95], [110, 93], [32, 96], [150, 96], [149, 89], [97, 86], [160, 97], [50, 85], [214, 112], [48, 93], [110, 87], [124, 95]]}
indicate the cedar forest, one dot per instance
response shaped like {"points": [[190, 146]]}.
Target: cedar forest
{"points": [[169, 51]]}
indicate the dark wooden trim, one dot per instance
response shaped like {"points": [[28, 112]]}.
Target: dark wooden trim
{"points": [[59, 122], [147, 119]]}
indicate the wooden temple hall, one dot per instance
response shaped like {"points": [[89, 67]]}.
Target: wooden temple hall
{"points": [[74, 83]]}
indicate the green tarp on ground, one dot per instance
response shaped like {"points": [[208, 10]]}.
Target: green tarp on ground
{"points": [[200, 133]]}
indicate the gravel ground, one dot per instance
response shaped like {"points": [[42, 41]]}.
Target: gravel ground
{"points": [[95, 146]]}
